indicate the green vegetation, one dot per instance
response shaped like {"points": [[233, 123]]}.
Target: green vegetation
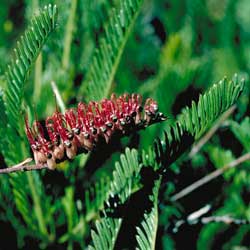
{"points": [[192, 57]]}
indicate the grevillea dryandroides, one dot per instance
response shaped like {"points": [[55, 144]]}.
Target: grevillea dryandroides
{"points": [[80, 129]]}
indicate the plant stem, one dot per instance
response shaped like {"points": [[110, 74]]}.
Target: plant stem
{"points": [[196, 148], [22, 166], [69, 35], [224, 219], [38, 77], [38, 63], [189, 189]]}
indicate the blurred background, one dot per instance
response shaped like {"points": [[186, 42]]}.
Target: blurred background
{"points": [[176, 50]]}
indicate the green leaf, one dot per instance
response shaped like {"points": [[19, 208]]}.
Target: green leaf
{"points": [[21, 195], [199, 117], [95, 197], [3, 125], [26, 52], [124, 183], [205, 241], [75, 222], [102, 69], [194, 121], [220, 158], [146, 232], [105, 235], [242, 132], [126, 174]]}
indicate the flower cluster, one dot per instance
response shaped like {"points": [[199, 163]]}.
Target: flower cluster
{"points": [[79, 129]]}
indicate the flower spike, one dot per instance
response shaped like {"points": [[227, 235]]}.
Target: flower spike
{"points": [[80, 129]]}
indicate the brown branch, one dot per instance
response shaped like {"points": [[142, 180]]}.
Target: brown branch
{"points": [[189, 189], [22, 166], [196, 148]]}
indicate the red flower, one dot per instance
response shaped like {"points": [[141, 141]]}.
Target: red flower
{"points": [[79, 129]]}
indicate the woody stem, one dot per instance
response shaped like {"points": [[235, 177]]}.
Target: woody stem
{"points": [[23, 166]]}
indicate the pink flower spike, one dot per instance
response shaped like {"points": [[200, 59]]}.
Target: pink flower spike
{"points": [[80, 129]]}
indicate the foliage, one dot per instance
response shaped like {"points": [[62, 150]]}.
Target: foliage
{"points": [[119, 195]]}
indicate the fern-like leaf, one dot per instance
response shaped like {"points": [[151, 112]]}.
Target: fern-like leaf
{"points": [[26, 52], [75, 221], [22, 198], [105, 235], [146, 232], [126, 174], [123, 184], [213, 103], [100, 75], [125, 178], [195, 120], [189, 126], [3, 123], [175, 142]]}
